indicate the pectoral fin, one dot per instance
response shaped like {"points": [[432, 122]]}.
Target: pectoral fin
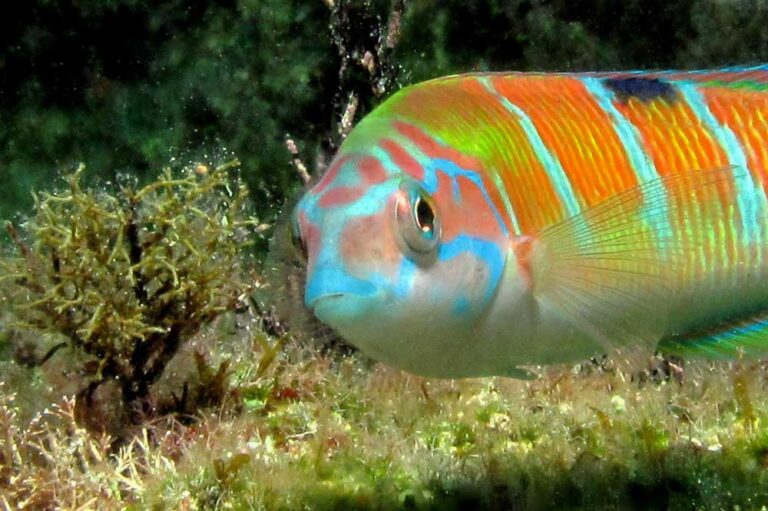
{"points": [[611, 270]]}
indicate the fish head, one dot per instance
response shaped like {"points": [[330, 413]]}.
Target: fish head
{"points": [[402, 265]]}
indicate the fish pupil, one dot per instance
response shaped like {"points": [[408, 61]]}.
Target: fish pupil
{"points": [[425, 217]]}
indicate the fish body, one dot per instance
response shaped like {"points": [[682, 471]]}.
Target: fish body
{"points": [[475, 224]]}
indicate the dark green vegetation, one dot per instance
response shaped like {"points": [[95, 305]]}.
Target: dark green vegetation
{"points": [[125, 280], [128, 288], [124, 86]]}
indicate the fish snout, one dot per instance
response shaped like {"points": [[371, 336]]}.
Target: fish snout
{"points": [[332, 293]]}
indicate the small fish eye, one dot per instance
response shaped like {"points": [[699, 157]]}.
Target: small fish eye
{"points": [[417, 220]]}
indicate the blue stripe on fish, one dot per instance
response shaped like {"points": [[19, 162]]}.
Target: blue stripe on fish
{"points": [[631, 140], [626, 131], [550, 162], [747, 194], [485, 250], [330, 280]]}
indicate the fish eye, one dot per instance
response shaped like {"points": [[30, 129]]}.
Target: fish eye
{"points": [[417, 220]]}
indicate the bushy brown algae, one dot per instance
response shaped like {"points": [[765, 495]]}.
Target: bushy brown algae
{"points": [[127, 278]]}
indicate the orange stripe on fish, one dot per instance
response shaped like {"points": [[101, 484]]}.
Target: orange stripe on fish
{"points": [[576, 130]]}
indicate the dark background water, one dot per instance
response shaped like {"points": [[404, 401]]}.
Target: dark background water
{"points": [[127, 86]]}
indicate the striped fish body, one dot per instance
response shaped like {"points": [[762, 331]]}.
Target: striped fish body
{"points": [[478, 223]]}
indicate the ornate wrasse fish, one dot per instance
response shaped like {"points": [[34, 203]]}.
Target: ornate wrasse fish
{"points": [[475, 224]]}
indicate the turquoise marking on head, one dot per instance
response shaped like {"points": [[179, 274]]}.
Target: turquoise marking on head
{"points": [[372, 273], [329, 276]]}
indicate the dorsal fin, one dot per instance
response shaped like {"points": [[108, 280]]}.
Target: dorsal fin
{"points": [[608, 269], [739, 77]]}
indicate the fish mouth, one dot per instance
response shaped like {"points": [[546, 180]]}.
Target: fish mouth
{"points": [[321, 301], [337, 309]]}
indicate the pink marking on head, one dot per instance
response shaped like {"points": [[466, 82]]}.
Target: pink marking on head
{"points": [[425, 143], [368, 243], [480, 220], [402, 159], [330, 174], [340, 195], [469, 213], [371, 170]]}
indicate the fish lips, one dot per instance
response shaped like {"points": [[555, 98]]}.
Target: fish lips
{"points": [[339, 309]]}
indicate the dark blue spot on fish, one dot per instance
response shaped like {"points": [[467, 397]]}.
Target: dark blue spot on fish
{"points": [[644, 89]]}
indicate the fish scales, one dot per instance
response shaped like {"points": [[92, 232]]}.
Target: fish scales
{"points": [[477, 223]]}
